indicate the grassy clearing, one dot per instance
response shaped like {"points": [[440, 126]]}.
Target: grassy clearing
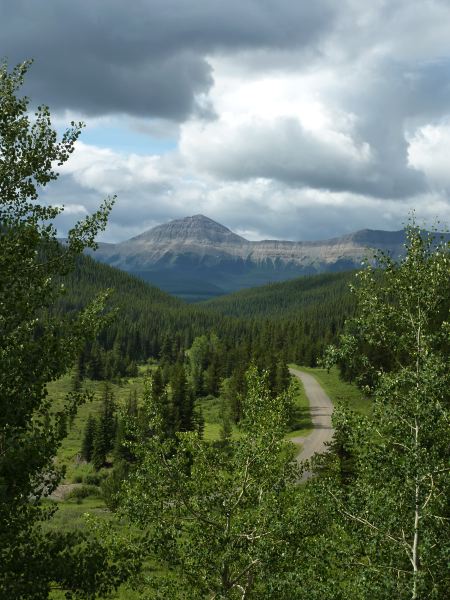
{"points": [[70, 516], [69, 452], [212, 431], [338, 390], [70, 513], [214, 410], [302, 424]]}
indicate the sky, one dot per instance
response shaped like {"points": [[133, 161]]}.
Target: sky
{"points": [[281, 119]]}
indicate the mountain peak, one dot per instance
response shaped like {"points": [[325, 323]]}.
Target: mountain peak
{"points": [[196, 229]]}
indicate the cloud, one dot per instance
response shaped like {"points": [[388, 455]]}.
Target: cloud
{"points": [[154, 190], [336, 129], [429, 152], [278, 118], [148, 57], [281, 149]]}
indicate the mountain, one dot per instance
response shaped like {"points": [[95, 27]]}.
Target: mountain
{"points": [[197, 258]]}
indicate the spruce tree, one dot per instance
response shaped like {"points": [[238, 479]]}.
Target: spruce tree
{"points": [[95, 368], [88, 438], [181, 399], [222, 520], [282, 376], [108, 417], [100, 448], [199, 423], [124, 435]]}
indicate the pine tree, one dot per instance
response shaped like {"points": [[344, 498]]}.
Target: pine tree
{"points": [[282, 376], [99, 449], [105, 431], [225, 529], [76, 378], [181, 399], [132, 404], [123, 437], [199, 423], [211, 377], [120, 449], [225, 431], [108, 417], [95, 368], [88, 438]]}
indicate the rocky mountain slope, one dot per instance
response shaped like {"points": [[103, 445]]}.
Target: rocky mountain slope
{"points": [[196, 257]]}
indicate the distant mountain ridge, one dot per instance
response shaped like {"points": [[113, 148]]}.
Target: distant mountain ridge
{"points": [[198, 258]]}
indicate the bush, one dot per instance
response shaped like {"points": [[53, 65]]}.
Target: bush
{"points": [[79, 493], [93, 479], [111, 486]]}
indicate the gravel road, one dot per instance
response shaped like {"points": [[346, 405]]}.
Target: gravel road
{"points": [[321, 408]]}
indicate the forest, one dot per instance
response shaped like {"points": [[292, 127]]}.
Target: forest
{"points": [[145, 443], [294, 319]]}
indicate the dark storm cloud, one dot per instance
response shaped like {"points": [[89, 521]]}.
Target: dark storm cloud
{"points": [[391, 95], [145, 57]]}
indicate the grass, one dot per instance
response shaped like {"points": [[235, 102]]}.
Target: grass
{"points": [[212, 431], [70, 513], [71, 517], [339, 390], [302, 424], [212, 408], [69, 452]]}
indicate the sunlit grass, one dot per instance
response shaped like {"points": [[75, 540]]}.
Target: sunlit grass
{"points": [[69, 452], [302, 424]]}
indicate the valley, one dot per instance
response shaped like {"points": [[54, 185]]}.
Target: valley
{"points": [[189, 414], [236, 385]]}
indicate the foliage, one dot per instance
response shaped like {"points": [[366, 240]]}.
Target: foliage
{"points": [[394, 510], [217, 515], [83, 491], [37, 347]]}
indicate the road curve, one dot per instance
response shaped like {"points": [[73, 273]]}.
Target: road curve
{"points": [[321, 409]]}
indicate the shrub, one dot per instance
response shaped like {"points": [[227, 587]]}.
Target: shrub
{"points": [[79, 493], [93, 479]]}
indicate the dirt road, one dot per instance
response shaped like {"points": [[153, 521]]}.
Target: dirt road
{"points": [[321, 408]]}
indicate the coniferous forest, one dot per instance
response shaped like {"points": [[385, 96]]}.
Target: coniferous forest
{"points": [[296, 320]]}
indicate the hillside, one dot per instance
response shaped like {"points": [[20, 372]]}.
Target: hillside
{"points": [[296, 317], [281, 300]]}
